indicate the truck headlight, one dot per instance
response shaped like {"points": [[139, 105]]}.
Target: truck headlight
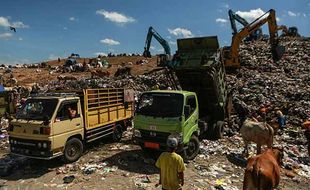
{"points": [[39, 145], [136, 133], [44, 145]]}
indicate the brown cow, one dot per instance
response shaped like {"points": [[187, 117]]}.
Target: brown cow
{"points": [[259, 132], [263, 171], [99, 73]]}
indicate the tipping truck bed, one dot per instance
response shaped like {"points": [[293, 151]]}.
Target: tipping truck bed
{"points": [[201, 70]]}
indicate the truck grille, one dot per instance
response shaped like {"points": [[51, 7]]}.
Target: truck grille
{"points": [[30, 147]]}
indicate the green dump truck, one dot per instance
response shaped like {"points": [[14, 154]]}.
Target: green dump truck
{"points": [[59, 124], [199, 109]]}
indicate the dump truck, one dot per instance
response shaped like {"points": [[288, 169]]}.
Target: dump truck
{"points": [[195, 111], [60, 124]]}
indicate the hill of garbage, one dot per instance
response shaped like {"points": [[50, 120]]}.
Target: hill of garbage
{"points": [[284, 84]]}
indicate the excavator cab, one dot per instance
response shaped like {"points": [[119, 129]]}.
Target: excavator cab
{"points": [[162, 60], [293, 31]]}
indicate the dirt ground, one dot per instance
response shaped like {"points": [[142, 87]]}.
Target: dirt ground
{"points": [[126, 167], [29, 76]]}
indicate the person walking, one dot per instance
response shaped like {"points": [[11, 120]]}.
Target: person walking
{"points": [[171, 167]]}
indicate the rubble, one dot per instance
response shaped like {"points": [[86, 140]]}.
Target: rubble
{"points": [[284, 84]]}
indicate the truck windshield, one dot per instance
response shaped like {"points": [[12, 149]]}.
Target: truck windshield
{"points": [[37, 109], [161, 105]]}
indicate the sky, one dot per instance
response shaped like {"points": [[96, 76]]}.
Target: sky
{"points": [[46, 30]]}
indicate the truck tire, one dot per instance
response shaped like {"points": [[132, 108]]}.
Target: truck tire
{"points": [[73, 150], [118, 133], [218, 130], [192, 148]]}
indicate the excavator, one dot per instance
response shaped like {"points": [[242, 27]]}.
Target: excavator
{"points": [[161, 40], [163, 60], [291, 31], [231, 54], [233, 17]]}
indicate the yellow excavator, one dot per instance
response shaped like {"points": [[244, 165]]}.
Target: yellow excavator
{"points": [[231, 54]]}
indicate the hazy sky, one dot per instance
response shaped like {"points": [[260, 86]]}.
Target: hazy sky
{"points": [[47, 29]]}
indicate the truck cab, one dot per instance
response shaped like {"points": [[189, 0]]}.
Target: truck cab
{"points": [[59, 124], [164, 113]]}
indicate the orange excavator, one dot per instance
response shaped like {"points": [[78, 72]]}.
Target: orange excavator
{"points": [[231, 54]]}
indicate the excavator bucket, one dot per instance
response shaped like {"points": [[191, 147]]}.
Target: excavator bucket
{"points": [[147, 53], [277, 52]]}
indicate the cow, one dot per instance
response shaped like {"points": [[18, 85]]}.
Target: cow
{"points": [[260, 133], [122, 71], [99, 73], [65, 78], [263, 171]]}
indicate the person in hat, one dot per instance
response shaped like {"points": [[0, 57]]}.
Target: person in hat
{"points": [[171, 167]]}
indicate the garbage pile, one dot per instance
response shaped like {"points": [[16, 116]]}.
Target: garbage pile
{"points": [[284, 84], [138, 83]]}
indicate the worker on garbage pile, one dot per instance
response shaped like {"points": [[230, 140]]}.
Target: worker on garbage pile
{"points": [[155, 87], [280, 117], [306, 126], [263, 112], [171, 167]]}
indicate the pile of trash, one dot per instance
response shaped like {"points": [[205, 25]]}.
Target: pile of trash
{"points": [[138, 83], [284, 84]]}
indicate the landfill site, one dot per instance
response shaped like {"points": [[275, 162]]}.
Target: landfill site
{"points": [[126, 106]]}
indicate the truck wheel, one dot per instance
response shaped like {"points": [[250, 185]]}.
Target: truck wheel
{"points": [[73, 150], [118, 133], [192, 148], [218, 130]]}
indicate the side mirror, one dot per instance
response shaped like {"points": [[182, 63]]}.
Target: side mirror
{"points": [[187, 110]]}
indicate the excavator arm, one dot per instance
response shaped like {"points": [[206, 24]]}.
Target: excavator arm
{"points": [[233, 17], [269, 17], [163, 42]]}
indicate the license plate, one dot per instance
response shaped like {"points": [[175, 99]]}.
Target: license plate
{"points": [[152, 127], [151, 145]]}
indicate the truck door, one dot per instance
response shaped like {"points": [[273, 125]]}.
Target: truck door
{"points": [[191, 118], [67, 121]]}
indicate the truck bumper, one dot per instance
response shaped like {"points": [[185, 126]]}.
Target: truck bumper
{"points": [[30, 148], [161, 146]]}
